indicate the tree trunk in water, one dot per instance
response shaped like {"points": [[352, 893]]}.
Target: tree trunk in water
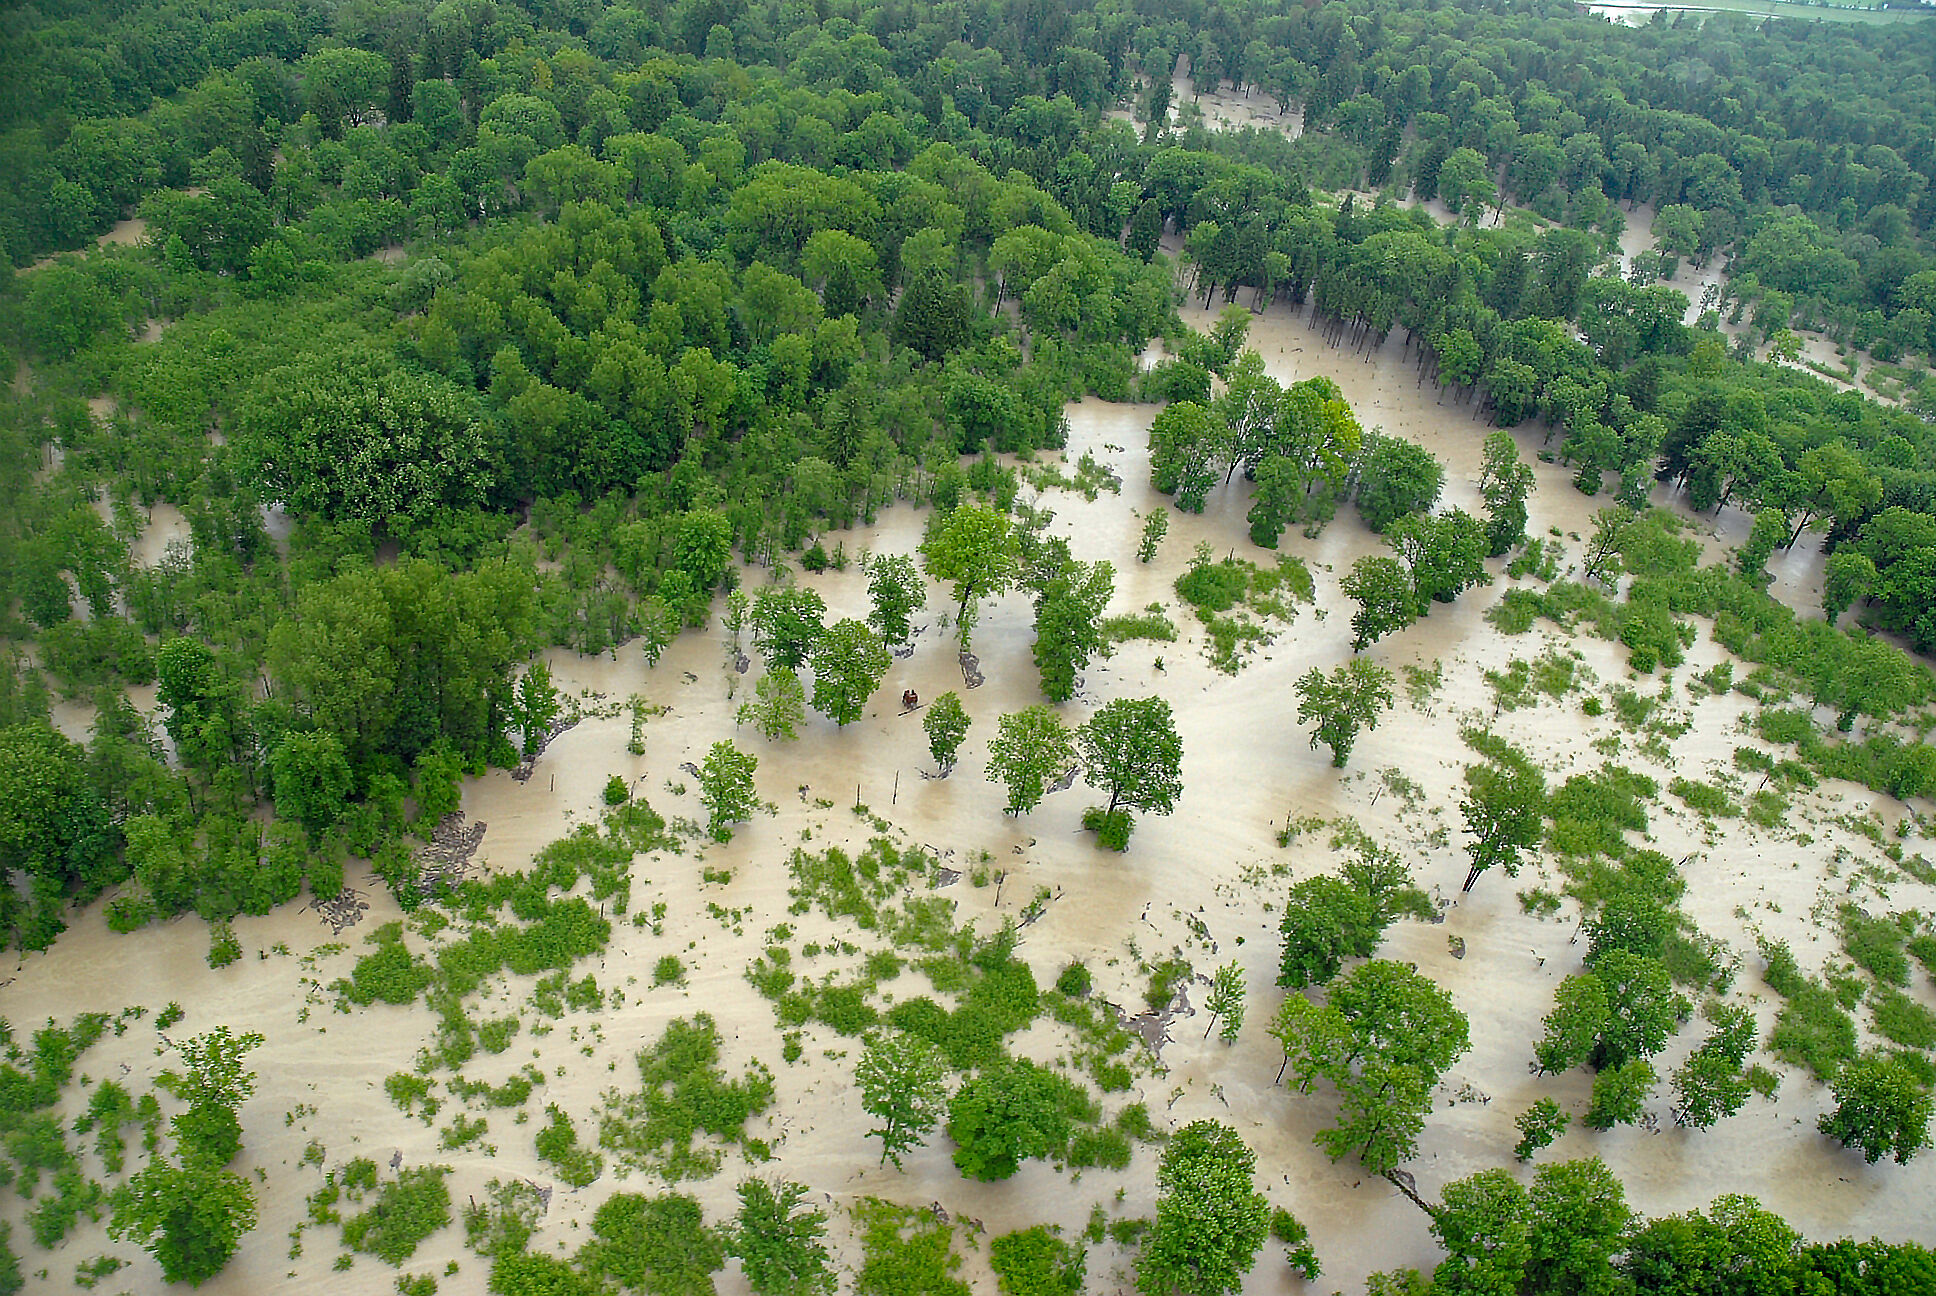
{"points": [[1471, 877]]}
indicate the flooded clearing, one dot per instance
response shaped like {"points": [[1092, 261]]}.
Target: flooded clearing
{"points": [[1208, 881]]}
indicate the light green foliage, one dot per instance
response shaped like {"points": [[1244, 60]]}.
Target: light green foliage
{"points": [[1538, 1126], [1711, 1084], [190, 1217], [1482, 1225], [1030, 747], [726, 788], [1226, 1002], [905, 1251], [1035, 1262], [849, 662], [1210, 1218], [407, 1210], [1383, 1040], [682, 1094], [1068, 624], [972, 548], [1342, 704], [1384, 593], [895, 588], [1155, 527], [946, 724], [778, 707], [1130, 750], [902, 1085], [786, 624], [558, 1144], [1618, 1092], [1505, 481], [1504, 810]]}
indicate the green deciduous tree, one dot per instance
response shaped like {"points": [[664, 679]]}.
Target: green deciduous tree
{"points": [[726, 788], [1618, 1093], [1342, 704], [849, 662], [946, 724], [1130, 749], [1538, 1126], [1210, 1218], [1482, 1223], [780, 1243], [779, 705], [1007, 1113], [902, 1082], [1386, 600], [1398, 478], [1226, 1002], [894, 585], [311, 776], [1383, 1040], [190, 1217], [971, 547], [1186, 441], [1504, 811], [1326, 920], [1068, 624], [1505, 482], [1030, 747], [786, 623], [1880, 1107]]}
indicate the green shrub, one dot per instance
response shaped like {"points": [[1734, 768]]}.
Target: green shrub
{"points": [[1108, 1148], [1074, 980], [558, 1144], [1876, 944], [1034, 1262], [1813, 1031], [668, 971], [407, 1210], [617, 792], [1112, 829], [223, 947], [1899, 1018]]}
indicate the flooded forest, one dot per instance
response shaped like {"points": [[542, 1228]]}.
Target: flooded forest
{"points": [[798, 646]]}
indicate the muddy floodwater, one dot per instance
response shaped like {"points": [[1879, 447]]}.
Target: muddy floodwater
{"points": [[1208, 880]]}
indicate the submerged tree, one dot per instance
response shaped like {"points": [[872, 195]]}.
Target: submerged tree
{"points": [[726, 788], [1130, 749], [973, 548], [902, 1081], [849, 662], [1210, 1218], [1348, 700], [1030, 747], [946, 724]]}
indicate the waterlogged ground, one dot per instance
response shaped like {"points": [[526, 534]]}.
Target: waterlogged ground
{"points": [[1205, 882]]}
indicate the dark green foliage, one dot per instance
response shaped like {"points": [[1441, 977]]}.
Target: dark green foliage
{"points": [[779, 1242], [1397, 479], [1008, 1113], [1074, 980], [1880, 1107]]}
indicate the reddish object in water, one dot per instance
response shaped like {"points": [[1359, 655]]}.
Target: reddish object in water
{"points": [[910, 700]]}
